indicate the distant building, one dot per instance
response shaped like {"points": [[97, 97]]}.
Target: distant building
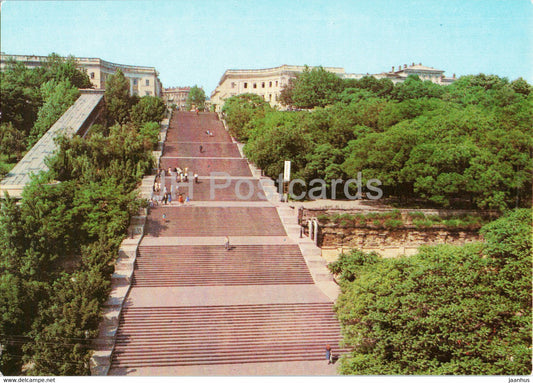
{"points": [[268, 83], [144, 81], [401, 73], [177, 96]]}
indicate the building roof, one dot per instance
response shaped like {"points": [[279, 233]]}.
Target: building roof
{"points": [[81, 61], [265, 72]]}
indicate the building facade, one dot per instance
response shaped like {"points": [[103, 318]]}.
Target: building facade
{"points": [[402, 72], [268, 83], [144, 81], [177, 96]]}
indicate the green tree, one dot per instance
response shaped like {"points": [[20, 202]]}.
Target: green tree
{"points": [[315, 87], [58, 246], [380, 88], [148, 109], [20, 96], [285, 97], [239, 112], [447, 310], [521, 86], [196, 98], [413, 88], [62, 332], [277, 138], [58, 97], [65, 68], [151, 130], [12, 147], [117, 98]]}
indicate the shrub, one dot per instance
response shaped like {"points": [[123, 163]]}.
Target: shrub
{"points": [[422, 223], [323, 218], [416, 214], [393, 223]]}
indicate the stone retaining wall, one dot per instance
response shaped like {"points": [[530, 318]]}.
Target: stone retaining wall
{"points": [[404, 240]]}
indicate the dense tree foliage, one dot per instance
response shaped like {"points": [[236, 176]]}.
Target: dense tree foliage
{"points": [[466, 144], [57, 97], [118, 99], [463, 310], [23, 91], [59, 244], [313, 87], [148, 109], [65, 68], [196, 99], [241, 110]]}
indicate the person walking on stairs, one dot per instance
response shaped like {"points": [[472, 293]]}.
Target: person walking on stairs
{"points": [[329, 354], [226, 243]]}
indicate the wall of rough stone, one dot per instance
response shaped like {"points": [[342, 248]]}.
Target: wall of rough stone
{"points": [[390, 243], [333, 238]]}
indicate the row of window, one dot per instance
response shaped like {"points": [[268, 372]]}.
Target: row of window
{"points": [[146, 82], [146, 93], [267, 97], [263, 84]]}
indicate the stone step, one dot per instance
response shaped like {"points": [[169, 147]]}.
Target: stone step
{"points": [[176, 336]]}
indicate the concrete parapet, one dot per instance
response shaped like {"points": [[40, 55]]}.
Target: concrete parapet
{"points": [[319, 275], [314, 260], [309, 247]]}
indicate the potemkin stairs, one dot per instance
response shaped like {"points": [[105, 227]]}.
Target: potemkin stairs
{"points": [[262, 307]]}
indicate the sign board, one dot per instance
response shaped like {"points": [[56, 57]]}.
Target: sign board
{"points": [[287, 171]]}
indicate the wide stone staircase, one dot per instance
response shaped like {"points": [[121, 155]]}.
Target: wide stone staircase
{"points": [[197, 308], [213, 265], [180, 336]]}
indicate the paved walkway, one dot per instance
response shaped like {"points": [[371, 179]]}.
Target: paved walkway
{"points": [[224, 295], [217, 240], [300, 368]]}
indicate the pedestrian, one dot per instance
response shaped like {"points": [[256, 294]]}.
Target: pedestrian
{"points": [[201, 149], [187, 199], [180, 199], [196, 178], [329, 354], [226, 243]]}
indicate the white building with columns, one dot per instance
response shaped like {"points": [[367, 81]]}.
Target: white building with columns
{"points": [[144, 81], [266, 83], [269, 82]]}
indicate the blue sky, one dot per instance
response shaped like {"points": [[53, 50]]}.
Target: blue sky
{"points": [[194, 42]]}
